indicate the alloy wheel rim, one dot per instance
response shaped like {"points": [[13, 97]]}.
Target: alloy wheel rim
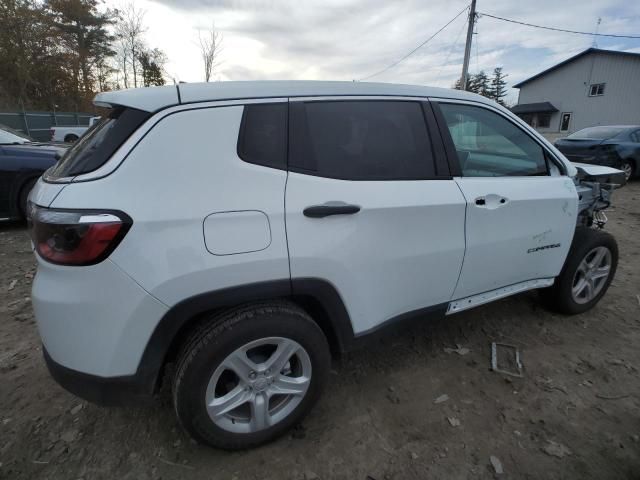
{"points": [[258, 385], [626, 168], [591, 275]]}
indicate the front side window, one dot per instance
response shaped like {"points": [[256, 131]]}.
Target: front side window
{"points": [[361, 140], [489, 145]]}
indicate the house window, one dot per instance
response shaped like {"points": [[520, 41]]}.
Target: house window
{"points": [[544, 120], [596, 89], [527, 117]]}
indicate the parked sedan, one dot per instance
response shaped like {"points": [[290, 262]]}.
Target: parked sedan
{"points": [[615, 146], [22, 161]]}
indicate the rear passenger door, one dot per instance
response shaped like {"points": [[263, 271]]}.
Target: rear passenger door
{"points": [[371, 207], [521, 212]]}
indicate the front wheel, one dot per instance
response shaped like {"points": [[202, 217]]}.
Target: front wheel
{"points": [[629, 169], [587, 273], [249, 374]]}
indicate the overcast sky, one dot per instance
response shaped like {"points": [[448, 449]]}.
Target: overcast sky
{"points": [[351, 39]]}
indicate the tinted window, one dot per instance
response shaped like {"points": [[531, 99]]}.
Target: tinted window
{"points": [[263, 135], [97, 145], [361, 140], [488, 145]]}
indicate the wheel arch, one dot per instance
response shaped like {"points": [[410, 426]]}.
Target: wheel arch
{"points": [[317, 297], [22, 184]]}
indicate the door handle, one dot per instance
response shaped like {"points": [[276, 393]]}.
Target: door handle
{"points": [[328, 209], [491, 201]]}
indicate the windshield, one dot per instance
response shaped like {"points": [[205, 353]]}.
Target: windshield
{"points": [[597, 133], [10, 136]]}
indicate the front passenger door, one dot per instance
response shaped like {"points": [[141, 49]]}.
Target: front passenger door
{"points": [[520, 216]]}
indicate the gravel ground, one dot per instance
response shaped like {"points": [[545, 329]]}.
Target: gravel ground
{"points": [[403, 408]]}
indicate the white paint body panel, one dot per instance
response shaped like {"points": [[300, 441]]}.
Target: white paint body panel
{"points": [[401, 252], [93, 319], [165, 249], [232, 233], [538, 211], [44, 193], [98, 319], [595, 170]]}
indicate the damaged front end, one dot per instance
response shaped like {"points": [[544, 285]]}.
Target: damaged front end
{"points": [[595, 184]]}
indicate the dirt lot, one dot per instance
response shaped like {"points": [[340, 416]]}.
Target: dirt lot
{"points": [[574, 414]]}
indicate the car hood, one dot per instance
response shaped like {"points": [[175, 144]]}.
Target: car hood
{"points": [[34, 149]]}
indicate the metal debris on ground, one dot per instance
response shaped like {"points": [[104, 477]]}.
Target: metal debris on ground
{"points": [[454, 422], [441, 398], [459, 350], [496, 464], [506, 359]]}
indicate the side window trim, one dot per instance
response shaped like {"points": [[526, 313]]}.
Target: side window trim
{"points": [[450, 147], [297, 105], [440, 156]]}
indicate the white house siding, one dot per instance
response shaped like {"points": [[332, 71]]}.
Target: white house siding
{"points": [[567, 88]]}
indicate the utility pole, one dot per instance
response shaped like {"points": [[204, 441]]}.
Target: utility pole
{"points": [[467, 48]]}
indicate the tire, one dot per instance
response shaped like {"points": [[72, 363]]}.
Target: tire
{"points": [[24, 196], [629, 168], [587, 244], [70, 138], [202, 375]]}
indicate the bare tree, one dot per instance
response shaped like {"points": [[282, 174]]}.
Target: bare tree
{"points": [[130, 29], [210, 49]]}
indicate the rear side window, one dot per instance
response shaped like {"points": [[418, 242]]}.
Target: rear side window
{"points": [[101, 141], [488, 145], [361, 140], [263, 135]]}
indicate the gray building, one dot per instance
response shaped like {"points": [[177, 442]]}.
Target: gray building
{"points": [[595, 87]]}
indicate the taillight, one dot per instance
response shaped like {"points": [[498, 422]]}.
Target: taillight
{"points": [[52, 131], [76, 237]]}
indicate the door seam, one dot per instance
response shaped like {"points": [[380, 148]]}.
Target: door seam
{"points": [[464, 254]]}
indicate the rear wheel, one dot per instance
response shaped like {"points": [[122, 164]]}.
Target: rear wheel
{"points": [[70, 138], [249, 374], [587, 273]]}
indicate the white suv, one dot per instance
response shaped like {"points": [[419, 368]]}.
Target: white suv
{"points": [[246, 231]]}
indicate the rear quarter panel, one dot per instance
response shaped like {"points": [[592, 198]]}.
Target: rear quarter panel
{"points": [[182, 171]]}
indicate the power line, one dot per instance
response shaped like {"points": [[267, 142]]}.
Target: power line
{"points": [[417, 48], [595, 34], [453, 45]]}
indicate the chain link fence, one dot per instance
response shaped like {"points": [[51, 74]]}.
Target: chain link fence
{"points": [[37, 124]]}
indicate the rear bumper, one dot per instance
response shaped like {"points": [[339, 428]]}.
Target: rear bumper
{"points": [[111, 391]]}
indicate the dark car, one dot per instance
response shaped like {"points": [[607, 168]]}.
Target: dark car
{"points": [[616, 146], [22, 161]]}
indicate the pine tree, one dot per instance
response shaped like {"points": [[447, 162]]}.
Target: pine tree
{"points": [[482, 84], [498, 89], [151, 63]]}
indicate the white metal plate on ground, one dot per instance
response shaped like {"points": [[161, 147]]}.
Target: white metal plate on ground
{"points": [[486, 297]]}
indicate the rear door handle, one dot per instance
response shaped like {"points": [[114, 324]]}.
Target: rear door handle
{"points": [[328, 209]]}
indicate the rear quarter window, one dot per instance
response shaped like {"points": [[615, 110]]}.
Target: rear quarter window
{"points": [[263, 135], [99, 143]]}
